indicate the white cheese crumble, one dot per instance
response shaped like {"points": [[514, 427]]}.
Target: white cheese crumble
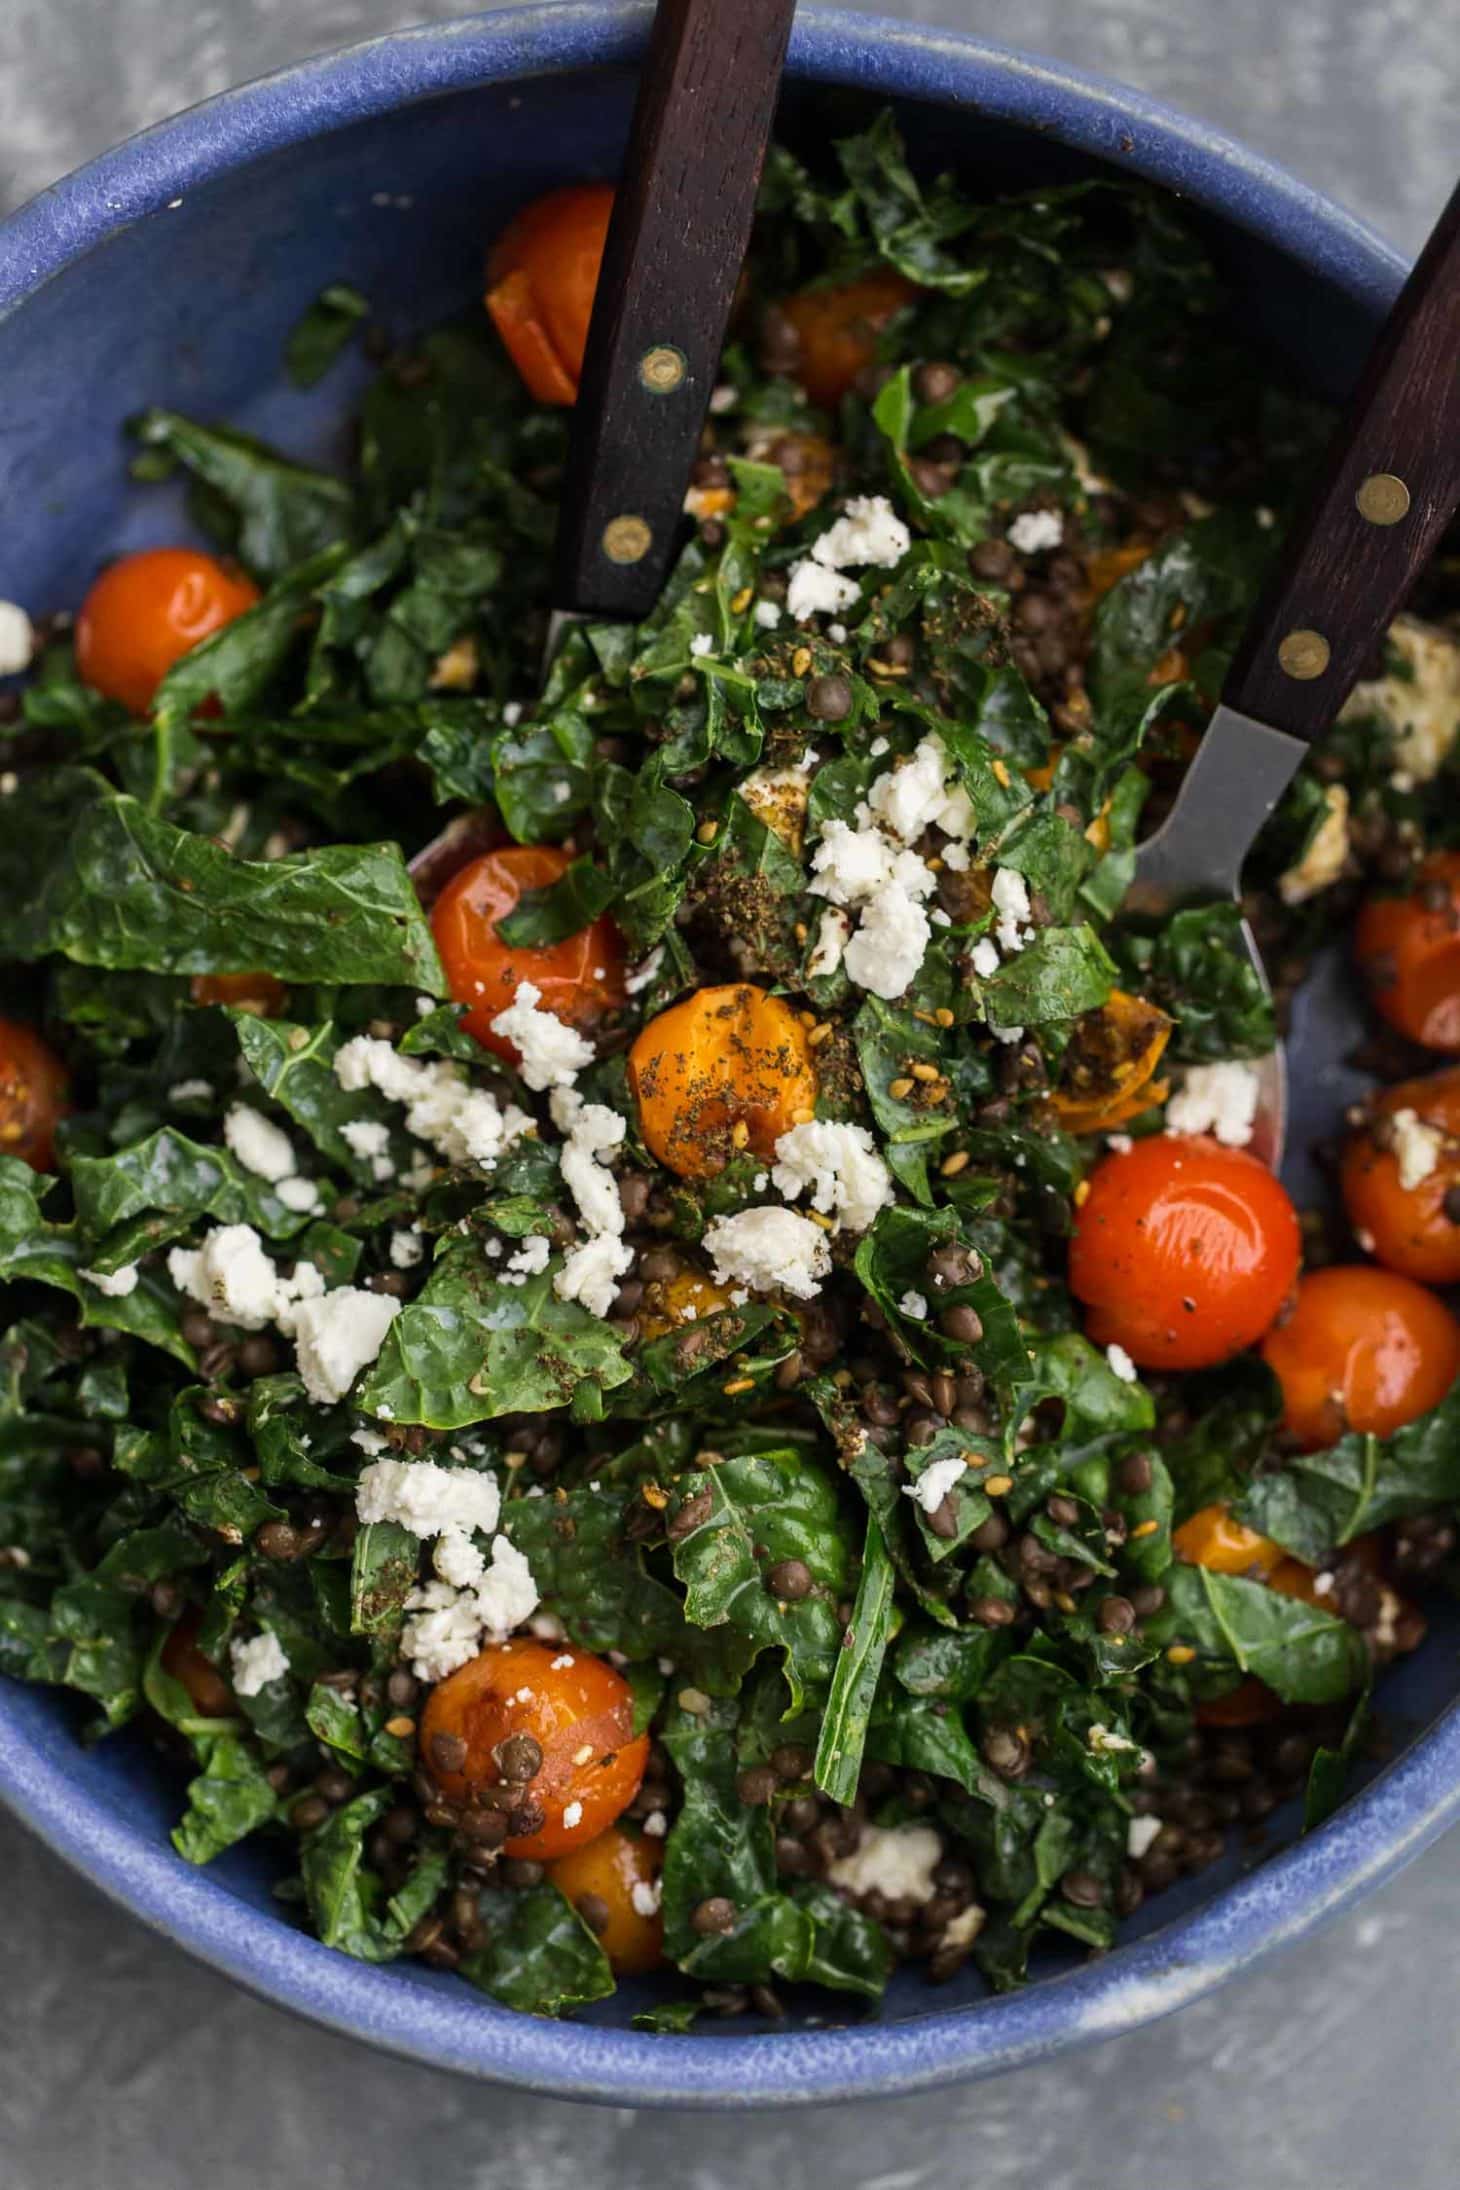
{"points": [[645, 1894], [1216, 1099], [258, 1144], [764, 1248], [530, 1260], [300, 1195], [1035, 531], [232, 1277], [935, 1482], [190, 1091], [572, 1814], [1327, 852], [464, 1124], [257, 1662], [114, 1284], [915, 795], [829, 949], [17, 639], [338, 1334], [701, 644], [1418, 1148], [1011, 905], [369, 1140], [406, 1249], [552, 1054], [591, 1272], [447, 1625], [1422, 708], [895, 1860], [838, 1165], [637, 979], [1120, 1362], [812, 590], [1104, 1741], [426, 1498], [767, 614], [1139, 1835], [885, 953], [985, 957], [914, 1304], [868, 531]]}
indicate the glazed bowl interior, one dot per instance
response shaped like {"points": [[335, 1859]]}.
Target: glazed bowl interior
{"points": [[171, 273]]}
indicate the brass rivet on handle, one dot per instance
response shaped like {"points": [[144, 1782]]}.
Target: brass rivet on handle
{"points": [[627, 539], [663, 369], [1383, 498], [1304, 654]]}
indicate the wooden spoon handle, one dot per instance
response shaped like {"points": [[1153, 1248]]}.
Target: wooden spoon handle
{"points": [[1389, 485], [681, 223]]}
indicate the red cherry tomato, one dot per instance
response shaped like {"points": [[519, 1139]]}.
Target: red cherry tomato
{"points": [[1363, 1350], [1183, 1252], [146, 611], [579, 1714], [542, 272], [1407, 1227], [579, 979], [32, 1095], [1408, 949]]}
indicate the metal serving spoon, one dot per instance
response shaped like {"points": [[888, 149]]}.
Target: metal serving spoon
{"points": [[1388, 487]]}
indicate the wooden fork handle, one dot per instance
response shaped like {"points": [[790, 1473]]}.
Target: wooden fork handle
{"points": [[1388, 488], [681, 223]]}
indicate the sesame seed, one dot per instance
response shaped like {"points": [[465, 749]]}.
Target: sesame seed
{"points": [[950, 1167], [584, 1755], [997, 1485], [695, 1701], [739, 1134], [820, 1034], [943, 1016], [900, 1089], [742, 600], [926, 1072], [1180, 1654], [1144, 1528], [801, 660], [1082, 1193], [738, 1384]]}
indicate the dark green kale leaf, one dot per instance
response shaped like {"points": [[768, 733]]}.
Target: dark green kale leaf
{"points": [[1233, 1412], [270, 512], [294, 1065], [469, 1348], [323, 333], [888, 1042], [1202, 581], [854, 1684], [49, 1254], [892, 1261], [1197, 969], [180, 1179], [1319, 1501], [348, 1901], [539, 1956], [1060, 974], [567, 906], [228, 1798], [1303, 1654], [95, 877]]}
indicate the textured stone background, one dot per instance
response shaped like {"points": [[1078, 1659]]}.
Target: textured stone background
{"points": [[123, 2065]]}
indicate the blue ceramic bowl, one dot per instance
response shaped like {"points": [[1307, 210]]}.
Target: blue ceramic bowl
{"points": [[170, 271]]}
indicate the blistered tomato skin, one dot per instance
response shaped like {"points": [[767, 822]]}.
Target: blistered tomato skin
{"points": [[578, 979], [1364, 1350], [578, 1764], [1408, 1227], [613, 1884], [1183, 1252], [32, 1095], [1408, 950], [542, 273], [146, 611], [724, 1069]]}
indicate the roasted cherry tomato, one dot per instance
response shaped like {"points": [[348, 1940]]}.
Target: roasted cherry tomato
{"points": [[542, 272], [723, 1069], [836, 330], [1364, 1350], [541, 1729], [32, 1095], [1214, 1538], [261, 993], [613, 1883], [578, 979], [208, 1691], [1401, 1179], [1183, 1251], [146, 611], [1408, 949]]}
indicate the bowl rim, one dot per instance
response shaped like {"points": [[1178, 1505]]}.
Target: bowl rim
{"points": [[1388, 1822]]}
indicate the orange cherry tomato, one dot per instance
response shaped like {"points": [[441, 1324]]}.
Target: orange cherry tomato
{"points": [[208, 1691], [1183, 1251], [838, 328], [578, 1711], [600, 1880], [687, 1297], [542, 272], [1363, 1350], [1250, 1703], [1406, 1226], [1408, 949], [579, 979], [1215, 1539], [32, 1095], [146, 611], [719, 1059], [261, 993]]}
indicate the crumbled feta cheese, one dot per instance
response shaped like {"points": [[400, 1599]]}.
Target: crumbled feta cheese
{"points": [[426, 1498], [813, 590], [895, 1860], [914, 795], [406, 1249], [984, 957], [232, 1277], [887, 949], [765, 1248], [530, 1260], [257, 1662], [114, 1284], [190, 1091], [868, 531], [512, 713], [767, 614], [1104, 1741], [1326, 855], [840, 1168], [1036, 531], [1120, 1362], [591, 1272], [370, 1441], [456, 1559], [258, 1144], [368, 1139], [656, 1824], [1011, 904], [935, 1482], [638, 977], [1418, 1148], [645, 1894], [1139, 1835], [1216, 1099], [509, 1594], [849, 864], [961, 1930], [593, 1131], [298, 1194], [447, 1625], [914, 1304], [572, 1815], [701, 645], [552, 1054], [337, 1335], [464, 1123], [724, 398], [1421, 706], [17, 640]]}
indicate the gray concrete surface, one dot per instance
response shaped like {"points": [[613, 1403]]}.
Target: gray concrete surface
{"points": [[123, 2065]]}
